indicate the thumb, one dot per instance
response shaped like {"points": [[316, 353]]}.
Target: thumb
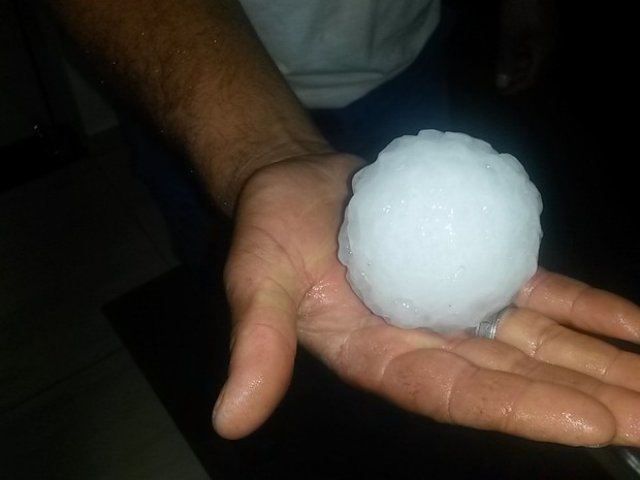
{"points": [[262, 357]]}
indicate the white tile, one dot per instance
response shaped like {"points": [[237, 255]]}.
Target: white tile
{"points": [[104, 423]]}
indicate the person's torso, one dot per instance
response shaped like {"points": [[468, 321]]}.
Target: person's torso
{"points": [[333, 52]]}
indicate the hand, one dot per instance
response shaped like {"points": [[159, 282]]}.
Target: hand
{"points": [[538, 380], [526, 38]]}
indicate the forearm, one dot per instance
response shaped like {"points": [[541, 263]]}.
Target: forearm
{"points": [[200, 72]]}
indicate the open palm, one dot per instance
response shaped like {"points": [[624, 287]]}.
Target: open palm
{"points": [[540, 379]]}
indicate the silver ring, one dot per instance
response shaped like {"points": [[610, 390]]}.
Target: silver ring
{"points": [[489, 327]]}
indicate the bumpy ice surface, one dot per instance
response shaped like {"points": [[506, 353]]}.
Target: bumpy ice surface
{"points": [[441, 232]]}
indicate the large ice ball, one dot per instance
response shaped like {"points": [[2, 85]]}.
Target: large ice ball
{"points": [[441, 232]]}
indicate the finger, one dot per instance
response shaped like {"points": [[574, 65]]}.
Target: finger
{"points": [[578, 305], [447, 387], [545, 340], [624, 404], [413, 370], [262, 357]]}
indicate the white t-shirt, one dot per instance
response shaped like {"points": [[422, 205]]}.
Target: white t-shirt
{"points": [[333, 52]]}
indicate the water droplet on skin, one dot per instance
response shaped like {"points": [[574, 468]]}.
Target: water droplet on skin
{"points": [[318, 293]]}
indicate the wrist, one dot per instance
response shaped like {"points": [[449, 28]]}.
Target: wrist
{"points": [[246, 158]]}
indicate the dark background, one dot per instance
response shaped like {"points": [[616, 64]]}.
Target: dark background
{"points": [[574, 133]]}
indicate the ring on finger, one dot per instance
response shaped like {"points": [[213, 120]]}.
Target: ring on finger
{"points": [[488, 328]]}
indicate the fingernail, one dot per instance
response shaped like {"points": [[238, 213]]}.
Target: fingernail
{"points": [[503, 80], [597, 445]]}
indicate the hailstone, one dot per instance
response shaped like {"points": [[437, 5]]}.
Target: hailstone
{"points": [[442, 231]]}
